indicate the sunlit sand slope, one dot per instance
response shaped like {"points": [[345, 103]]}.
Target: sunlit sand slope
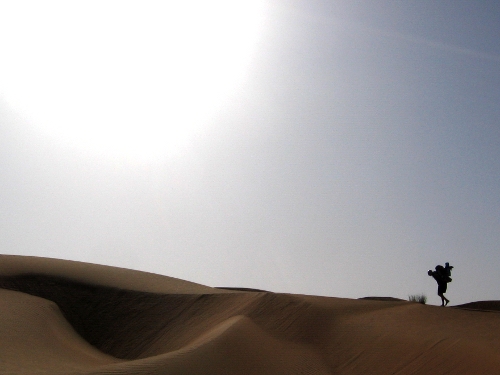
{"points": [[61, 317], [35, 336]]}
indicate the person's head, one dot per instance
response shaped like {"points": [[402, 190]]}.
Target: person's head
{"points": [[429, 272]]}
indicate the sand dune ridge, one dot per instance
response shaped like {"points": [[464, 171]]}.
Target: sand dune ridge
{"points": [[87, 319]]}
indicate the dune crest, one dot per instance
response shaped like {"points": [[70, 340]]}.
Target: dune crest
{"points": [[64, 317]]}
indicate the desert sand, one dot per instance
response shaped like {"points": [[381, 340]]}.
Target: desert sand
{"points": [[64, 317]]}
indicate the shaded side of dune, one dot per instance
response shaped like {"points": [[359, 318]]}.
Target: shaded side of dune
{"points": [[101, 314], [387, 299], [35, 338], [240, 289], [481, 305], [131, 324], [121, 323]]}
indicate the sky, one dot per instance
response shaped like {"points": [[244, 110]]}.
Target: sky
{"points": [[335, 148]]}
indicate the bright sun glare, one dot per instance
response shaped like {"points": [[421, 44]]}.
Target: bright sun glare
{"points": [[124, 79]]}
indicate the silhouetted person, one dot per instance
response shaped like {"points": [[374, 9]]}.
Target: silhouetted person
{"points": [[442, 277]]}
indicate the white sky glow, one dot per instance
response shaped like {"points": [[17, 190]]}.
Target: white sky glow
{"points": [[125, 79]]}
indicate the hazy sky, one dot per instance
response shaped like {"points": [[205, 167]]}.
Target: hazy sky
{"points": [[337, 148]]}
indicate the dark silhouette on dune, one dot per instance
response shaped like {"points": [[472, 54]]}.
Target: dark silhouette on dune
{"points": [[442, 275]]}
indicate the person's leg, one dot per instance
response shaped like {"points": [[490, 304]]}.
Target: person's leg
{"points": [[441, 291], [442, 298]]}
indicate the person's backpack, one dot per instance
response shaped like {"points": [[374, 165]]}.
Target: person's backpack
{"points": [[443, 273], [447, 269]]}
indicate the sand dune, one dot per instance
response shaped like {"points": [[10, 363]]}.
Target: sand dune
{"points": [[62, 317]]}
